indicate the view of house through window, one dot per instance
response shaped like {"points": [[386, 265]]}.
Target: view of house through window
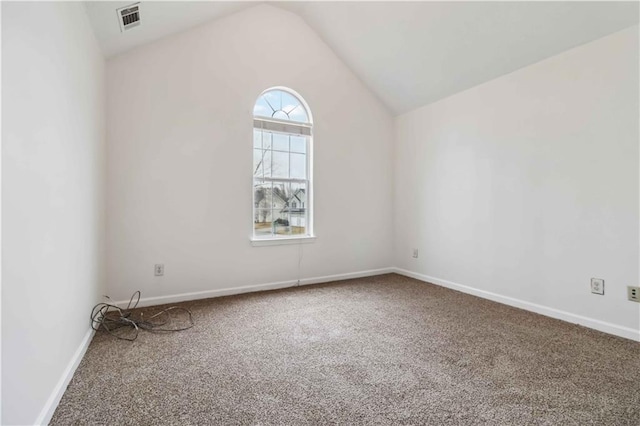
{"points": [[281, 159]]}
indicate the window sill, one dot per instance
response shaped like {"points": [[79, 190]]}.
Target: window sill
{"points": [[261, 242]]}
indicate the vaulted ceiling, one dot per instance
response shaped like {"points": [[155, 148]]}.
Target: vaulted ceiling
{"points": [[158, 19], [408, 53]]}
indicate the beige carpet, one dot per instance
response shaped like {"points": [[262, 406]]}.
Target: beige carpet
{"points": [[380, 350]]}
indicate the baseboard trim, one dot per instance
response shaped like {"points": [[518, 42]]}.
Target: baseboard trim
{"points": [[52, 403], [347, 276], [606, 327], [230, 291]]}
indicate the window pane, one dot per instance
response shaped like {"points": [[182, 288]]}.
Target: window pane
{"points": [[280, 195], [281, 191], [257, 162], [262, 222], [262, 195], [257, 139], [299, 192], [289, 102], [280, 164], [299, 115], [298, 144], [281, 214], [261, 163], [280, 142], [298, 222], [281, 115], [298, 214], [266, 140], [282, 105], [298, 166], [273, 98], [262, 108], [293, 108], [281, 223]]}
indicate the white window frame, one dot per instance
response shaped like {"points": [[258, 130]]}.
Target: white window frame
{"points": [[290, 128]]}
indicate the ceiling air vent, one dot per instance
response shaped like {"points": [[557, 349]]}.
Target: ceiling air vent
{"points": [[129, 16]]}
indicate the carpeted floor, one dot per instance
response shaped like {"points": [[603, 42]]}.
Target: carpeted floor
{"points": [[379, 350]]}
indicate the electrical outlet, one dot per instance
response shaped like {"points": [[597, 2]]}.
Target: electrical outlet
{"points": [[597, 286], [159, 269], [415, 253], [633, 294]]}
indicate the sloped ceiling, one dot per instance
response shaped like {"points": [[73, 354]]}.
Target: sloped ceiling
{"points": [[409, 53], [414, 53], [158, 19]]}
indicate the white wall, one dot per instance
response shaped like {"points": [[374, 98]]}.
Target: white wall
{"points": [[527, 186], [52, 198], [180, 159]]}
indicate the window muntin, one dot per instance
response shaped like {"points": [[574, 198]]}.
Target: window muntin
{"points": [[280, 105], [281, 166]]}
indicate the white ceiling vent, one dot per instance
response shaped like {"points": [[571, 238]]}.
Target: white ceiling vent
{"points": [[129, 16]]}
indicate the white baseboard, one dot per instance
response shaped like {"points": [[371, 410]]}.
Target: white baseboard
{"points": [[61, 386], [347, 276], [183, 297], [606, 327]]}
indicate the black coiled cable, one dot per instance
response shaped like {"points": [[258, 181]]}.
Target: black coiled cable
{"points": [[126, 323]]}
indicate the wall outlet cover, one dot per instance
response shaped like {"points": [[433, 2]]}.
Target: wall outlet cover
{"points": [[158, 269], [633, 294], [597, 286]]}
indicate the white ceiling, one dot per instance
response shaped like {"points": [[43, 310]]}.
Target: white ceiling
{"points": [[414, 53], [158, 19], [409, 53]]}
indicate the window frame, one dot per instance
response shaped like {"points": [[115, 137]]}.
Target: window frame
{"points": [[289, 128]]}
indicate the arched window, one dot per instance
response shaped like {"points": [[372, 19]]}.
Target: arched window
{"points": [[281, 166]]}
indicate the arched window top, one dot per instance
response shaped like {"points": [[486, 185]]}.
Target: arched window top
{"points": [[282, 105]]}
